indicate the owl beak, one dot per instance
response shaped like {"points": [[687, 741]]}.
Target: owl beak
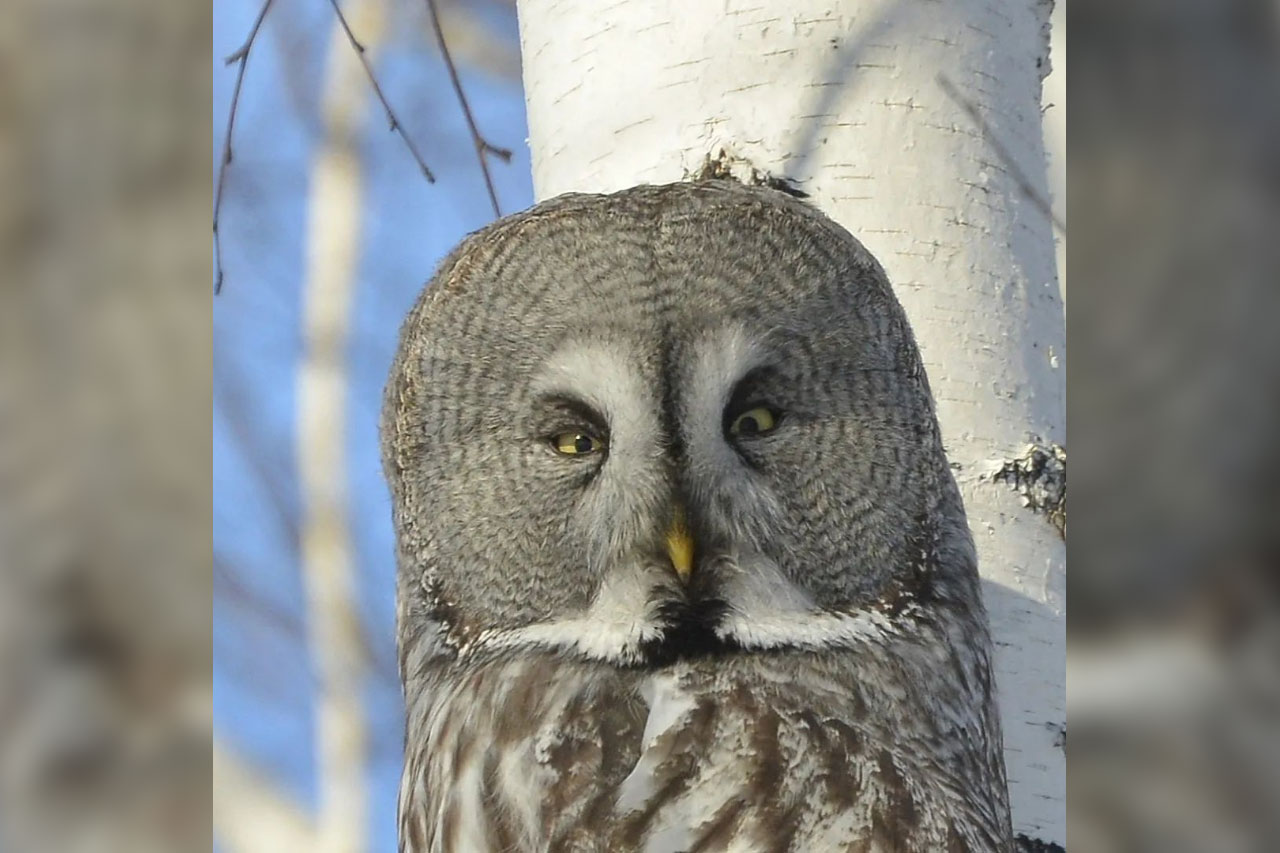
{"points": [[680, 545]]}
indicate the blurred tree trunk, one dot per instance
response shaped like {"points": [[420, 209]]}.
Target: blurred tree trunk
{"points": [[251, 814], [334, 627], [918, 127]]}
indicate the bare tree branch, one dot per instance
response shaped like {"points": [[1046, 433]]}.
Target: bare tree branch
{"points": [[392, 119], [1024, 184], [241, 55], [483, 146]]}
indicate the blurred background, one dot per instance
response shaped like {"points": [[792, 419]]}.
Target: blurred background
{"points": [[104, 427], [114, 390], [1174, 386]]}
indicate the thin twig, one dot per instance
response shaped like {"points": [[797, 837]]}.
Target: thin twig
{"points": [[989, 135], [483, 146], [241, 55], [391, 115]]}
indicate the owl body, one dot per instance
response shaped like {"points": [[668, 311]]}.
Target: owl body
{"points": [[682, 564], [737, 755]]}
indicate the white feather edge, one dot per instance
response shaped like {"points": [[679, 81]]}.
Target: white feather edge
{"points": [[598, 639], [766, 611]]}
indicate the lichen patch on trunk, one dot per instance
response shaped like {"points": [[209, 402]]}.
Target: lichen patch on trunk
{"points": [[1039, 476], [725, 165]]}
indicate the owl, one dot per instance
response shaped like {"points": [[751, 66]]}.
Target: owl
{"points": [[682, 565]]}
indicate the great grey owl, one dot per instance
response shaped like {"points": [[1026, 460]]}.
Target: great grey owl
{"points": [[682, 566]]}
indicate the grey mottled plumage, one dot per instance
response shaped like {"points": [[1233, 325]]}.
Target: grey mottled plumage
{"points": [[821, 680]]}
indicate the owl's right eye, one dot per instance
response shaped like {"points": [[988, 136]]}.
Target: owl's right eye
{"points": [[576, 443]]}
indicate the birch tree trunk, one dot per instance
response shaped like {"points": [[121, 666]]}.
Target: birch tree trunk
{"points": [[917, 126], [327, 566]]}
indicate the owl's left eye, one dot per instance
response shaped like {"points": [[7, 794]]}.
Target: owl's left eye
{"points": [[576, 443], [757, 420]]}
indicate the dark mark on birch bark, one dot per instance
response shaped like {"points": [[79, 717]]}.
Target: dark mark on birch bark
{"points": [[1027, 844], [1039, 475], [728, 166]]}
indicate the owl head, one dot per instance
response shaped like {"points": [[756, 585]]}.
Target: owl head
{"points": [[666, 422]]}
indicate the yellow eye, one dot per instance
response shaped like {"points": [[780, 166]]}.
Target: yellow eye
{"points": [[576, 443], [757, 421]]}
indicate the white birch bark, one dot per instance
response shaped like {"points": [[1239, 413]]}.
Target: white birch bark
{"points": [[333, 623], [1055, 130], [843, 97]]}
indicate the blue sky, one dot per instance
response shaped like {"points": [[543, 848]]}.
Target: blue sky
{"points": [[262, 679]]}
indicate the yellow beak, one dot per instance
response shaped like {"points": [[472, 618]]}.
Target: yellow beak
{"points": [[680, 545]]}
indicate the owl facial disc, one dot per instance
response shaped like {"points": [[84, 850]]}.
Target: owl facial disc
{"points": [[627, 433]]}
